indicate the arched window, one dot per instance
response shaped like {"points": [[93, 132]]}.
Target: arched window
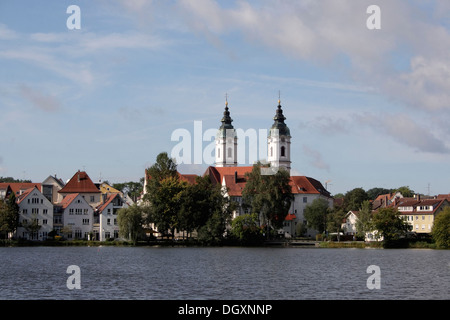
{"points": [[271, 151], [218, 153], [283, 151], [230, 152]]}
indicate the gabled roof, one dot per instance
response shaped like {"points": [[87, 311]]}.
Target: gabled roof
{"points": [[25, 194], [414, 203], [80, 183], [234, 178], [68, 200], [307, 185], [19, 187], [108, 200]]}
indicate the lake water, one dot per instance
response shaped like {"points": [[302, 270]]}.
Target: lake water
{"points": [[222, 273]]}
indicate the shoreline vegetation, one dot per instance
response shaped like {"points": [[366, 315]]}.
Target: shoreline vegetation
{"points": [[293, 243]]}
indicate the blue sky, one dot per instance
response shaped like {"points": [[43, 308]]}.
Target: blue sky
{"points": [[366, 108]]}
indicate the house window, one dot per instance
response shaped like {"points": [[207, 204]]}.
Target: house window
{"points": [[305, 199], [92, 198], [71, 211], [86, 221], [108, 222], [78, 234], [44, 221], [45, 211]]}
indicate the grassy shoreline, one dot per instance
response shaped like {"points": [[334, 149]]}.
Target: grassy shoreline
{"points": [[187, 243]]}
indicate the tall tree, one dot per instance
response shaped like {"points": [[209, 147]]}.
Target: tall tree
{"points": [[316, 214], [166, 202], [268, 195], [354, 198], [130, 222], [441, 228], [364, 222], [9, 215], [389, 224], [205, 208]]}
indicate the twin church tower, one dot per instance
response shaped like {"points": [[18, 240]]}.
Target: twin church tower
{"points": [[278, 142]]}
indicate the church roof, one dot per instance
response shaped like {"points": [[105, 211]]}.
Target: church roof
{"points": [[235, 181], [80, 183], [226, 122], [279, 124]]}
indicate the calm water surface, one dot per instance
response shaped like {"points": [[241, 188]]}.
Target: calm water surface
{"points": [[222, 273]]}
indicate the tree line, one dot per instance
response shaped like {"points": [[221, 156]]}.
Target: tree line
{"points": [[388, 222], [201, 208]]}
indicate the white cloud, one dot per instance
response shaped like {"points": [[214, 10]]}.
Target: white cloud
{"points": [[405, 130]]}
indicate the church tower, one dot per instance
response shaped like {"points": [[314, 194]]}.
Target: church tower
{"points": [[279, 142], [226, 142]]}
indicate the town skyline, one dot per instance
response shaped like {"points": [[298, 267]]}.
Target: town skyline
{"points": [[366, 108]]}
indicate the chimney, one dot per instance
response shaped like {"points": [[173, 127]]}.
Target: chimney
{"points": [[235, 177]]}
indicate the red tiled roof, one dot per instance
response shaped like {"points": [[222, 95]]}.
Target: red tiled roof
{"points": [[299, 184], [68, 200], [414, 203], [108, 200], [18, 187], [22, 197], [189, 178], [290, 217], [80, 183]]}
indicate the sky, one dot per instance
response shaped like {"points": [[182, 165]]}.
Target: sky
{"points": [[366, 107]]}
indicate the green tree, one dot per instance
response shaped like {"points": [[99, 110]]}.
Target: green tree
{"points": [[354, 198], [364, 222], [389, 224], [246, 228], [334, 220], [375, 192], [9, 215], [441, 228], [130, 222], [133, 189], [166, 204], [268, 195], [316, 214], [205, 208], [406, 191]]}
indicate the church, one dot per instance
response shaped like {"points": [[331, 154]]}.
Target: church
{"points": [[232, 177]]}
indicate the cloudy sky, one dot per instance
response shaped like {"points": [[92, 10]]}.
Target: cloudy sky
{"points": [[366, 107]]}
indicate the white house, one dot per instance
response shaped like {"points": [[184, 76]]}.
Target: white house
{"points": [[108, 226], [77, 217], [35, 215]]}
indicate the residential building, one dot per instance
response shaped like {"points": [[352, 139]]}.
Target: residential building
{"points": [[420, 213], [77, 217], [105, 217], [51, 187], [81, 183], [35, 215]]}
